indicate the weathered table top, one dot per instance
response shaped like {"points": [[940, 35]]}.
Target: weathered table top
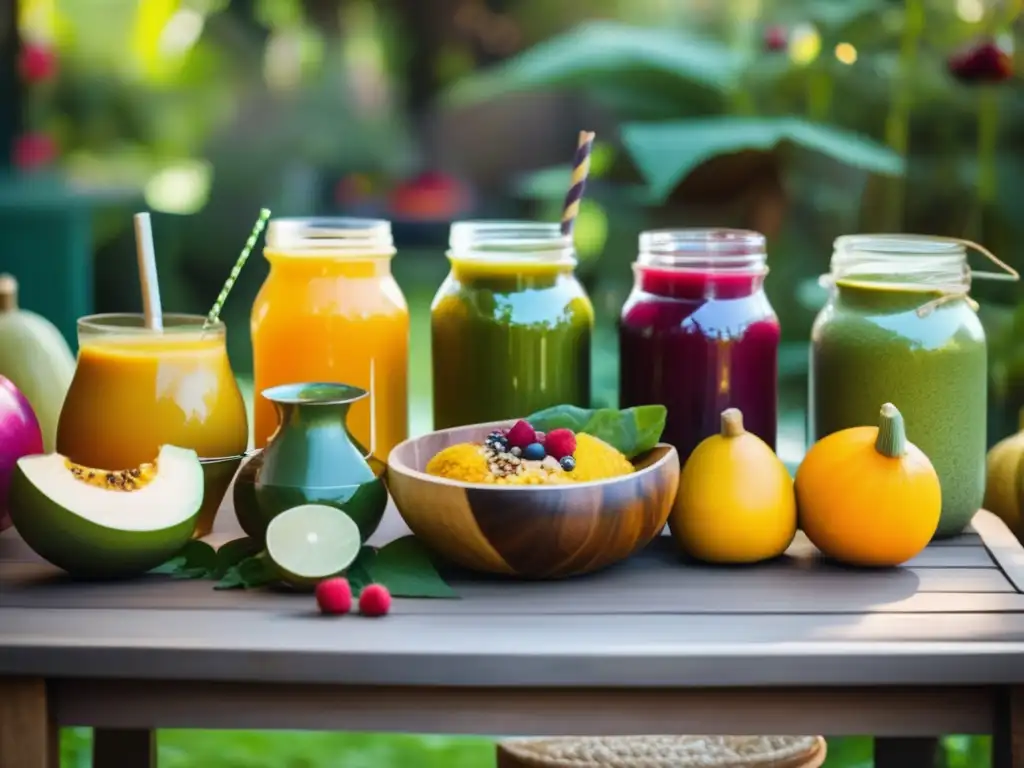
{"points": [[954, 615]]}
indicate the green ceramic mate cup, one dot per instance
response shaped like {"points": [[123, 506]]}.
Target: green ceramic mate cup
{"points": [[312, 458]]}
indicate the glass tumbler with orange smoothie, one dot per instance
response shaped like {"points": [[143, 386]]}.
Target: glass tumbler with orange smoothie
{"points": [[135, 389], [331, 311]]}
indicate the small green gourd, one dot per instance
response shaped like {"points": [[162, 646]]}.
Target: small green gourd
{"points": [[35, 356]]}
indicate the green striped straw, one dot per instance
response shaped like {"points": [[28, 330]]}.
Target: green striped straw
{"points": [[236, 270]]}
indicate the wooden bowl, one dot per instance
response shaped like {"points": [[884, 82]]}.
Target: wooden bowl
{"points": [[531, 531]]}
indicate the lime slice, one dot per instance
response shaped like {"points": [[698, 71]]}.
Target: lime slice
{"points": [[312, 542]]}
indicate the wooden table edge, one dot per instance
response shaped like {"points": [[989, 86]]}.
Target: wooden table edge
{"points": [[1002, 545]]}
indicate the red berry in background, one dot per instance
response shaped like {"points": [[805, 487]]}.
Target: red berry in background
{"points": [[776, 38], [560, 442], [374, 600], [431, 195], [521, 434], [983, 62], [334, 596], [36, 63], [33, 150]]}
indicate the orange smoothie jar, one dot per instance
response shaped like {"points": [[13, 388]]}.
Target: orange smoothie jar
{"points": [[331, 311], [135, 389]]}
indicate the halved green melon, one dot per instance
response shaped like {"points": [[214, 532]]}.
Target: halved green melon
{"points": [[97, 523]]}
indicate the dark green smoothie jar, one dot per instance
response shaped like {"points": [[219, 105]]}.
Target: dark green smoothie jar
{"points": [[511, 325], [900, 327]]}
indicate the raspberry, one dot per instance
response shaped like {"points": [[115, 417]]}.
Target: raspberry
{"points": [[560, 443], [521, 434], [375, 600], [334, 596]]}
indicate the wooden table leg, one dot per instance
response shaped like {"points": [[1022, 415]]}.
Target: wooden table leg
{"points": [[122, 748], [28, 736], [1008, 733], [906, 752]]}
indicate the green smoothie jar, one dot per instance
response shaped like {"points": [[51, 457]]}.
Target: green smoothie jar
{"points": [[511, 325], [900, 327]]}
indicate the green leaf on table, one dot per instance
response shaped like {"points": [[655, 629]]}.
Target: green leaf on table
{"points": [[196, 560], [359, 573], [666, 153], [233, 552], [631, 431], [666, 65], [404, 566], [172, 566], [254, 571]]}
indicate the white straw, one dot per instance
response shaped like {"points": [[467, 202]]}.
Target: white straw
{"points": [[147, 272]]}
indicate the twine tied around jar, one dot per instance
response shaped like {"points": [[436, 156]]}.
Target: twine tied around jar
{"points": [[950, 292], [1008, 273]]}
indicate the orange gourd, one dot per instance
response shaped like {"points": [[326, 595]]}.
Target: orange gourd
{"points": [[735, 502], [867, 496]]}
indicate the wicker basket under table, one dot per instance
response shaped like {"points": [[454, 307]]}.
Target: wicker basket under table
{"points": [[664, 752]]}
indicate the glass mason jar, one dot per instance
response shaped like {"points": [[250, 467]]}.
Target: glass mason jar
{"points": [[697, 333], [135, 389], [331, 311], [900, 327], [511, 325]]}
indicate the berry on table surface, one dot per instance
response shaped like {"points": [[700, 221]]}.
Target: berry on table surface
{"points": [[334, 596], [521, 434], [534, 452], [374, 600], [568, 463], [560, 443]]}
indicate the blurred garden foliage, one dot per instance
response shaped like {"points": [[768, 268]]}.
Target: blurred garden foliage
{"points": [[804, 119]]}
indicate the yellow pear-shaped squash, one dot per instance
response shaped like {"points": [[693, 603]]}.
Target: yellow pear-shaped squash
{"points": [[1004, 481], [735, 501], [867, 496]]}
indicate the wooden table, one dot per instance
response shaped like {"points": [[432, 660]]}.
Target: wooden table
{"points": [[650, 646]]}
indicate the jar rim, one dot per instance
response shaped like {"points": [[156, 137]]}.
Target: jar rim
{"points": [[134, 324], [341, 236], [714, 249], [893, 244], [509, 240], [919, 261]]}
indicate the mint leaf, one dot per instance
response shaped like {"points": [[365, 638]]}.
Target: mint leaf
{"points": [[234, 552], [616, 428], [650, 424], [254, 571], [405, 568], [196, 560], [561, 417], [631, 431]]}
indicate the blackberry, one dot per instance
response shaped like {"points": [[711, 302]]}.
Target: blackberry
{"points": [[497, 441]]}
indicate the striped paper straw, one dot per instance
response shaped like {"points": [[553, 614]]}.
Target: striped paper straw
{"points": [[236, 270], [580, 169]]}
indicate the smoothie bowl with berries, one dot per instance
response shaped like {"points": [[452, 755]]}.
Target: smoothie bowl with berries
{"points": [[559, 493]]}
